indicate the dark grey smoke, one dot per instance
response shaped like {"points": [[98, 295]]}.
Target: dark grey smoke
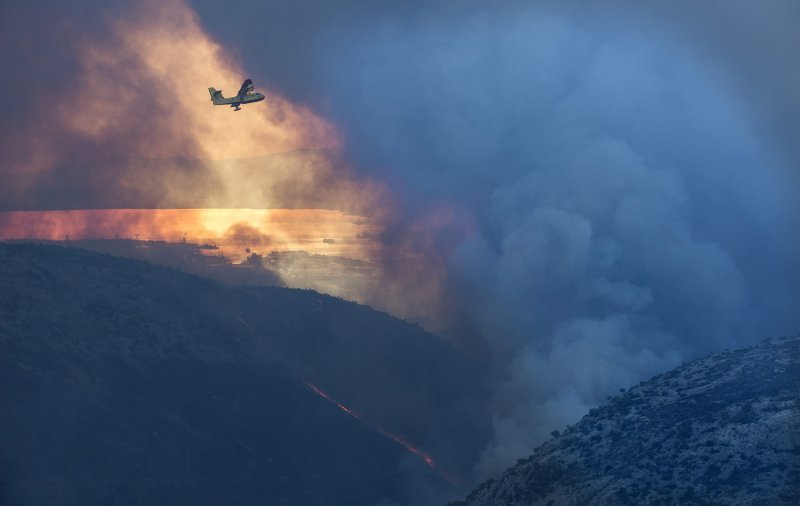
{"points": [[634, 203]]}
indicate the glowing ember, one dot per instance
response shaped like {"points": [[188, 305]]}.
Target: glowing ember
{"points": [[394, 437], [233, 231]]}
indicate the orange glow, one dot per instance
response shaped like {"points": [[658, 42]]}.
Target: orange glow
{"points": [[394, 437], [142, 92], [142, 95], [317, 231]]}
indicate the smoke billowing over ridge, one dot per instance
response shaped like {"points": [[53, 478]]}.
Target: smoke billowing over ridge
{"points": [[630, 212]]}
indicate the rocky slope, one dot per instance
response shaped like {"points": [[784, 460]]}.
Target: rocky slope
{"points": [[724, 429]]}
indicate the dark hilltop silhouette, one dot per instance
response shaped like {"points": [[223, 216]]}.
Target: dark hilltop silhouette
{"points": [[128, 383]]}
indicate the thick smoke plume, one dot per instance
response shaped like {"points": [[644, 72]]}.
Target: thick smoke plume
{"points": [[629, 211]]}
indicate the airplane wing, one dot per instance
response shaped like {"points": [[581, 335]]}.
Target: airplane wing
{"points": [[247, 87]]}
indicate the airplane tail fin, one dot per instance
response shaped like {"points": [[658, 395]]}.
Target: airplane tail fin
{"points": [[216, 96]]}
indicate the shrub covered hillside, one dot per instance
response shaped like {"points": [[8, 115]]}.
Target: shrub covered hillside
{"points": [[724, 429], [122, 382]]}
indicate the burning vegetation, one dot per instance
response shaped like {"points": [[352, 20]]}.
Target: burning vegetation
{"points": [[400, 440]]}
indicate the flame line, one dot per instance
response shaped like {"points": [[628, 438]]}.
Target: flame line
{"points": [[400, 440]]}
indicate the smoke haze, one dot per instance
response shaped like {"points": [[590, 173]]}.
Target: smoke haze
{"points": [[631, 212]]}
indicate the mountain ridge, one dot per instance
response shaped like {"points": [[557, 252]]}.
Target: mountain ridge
{"points": [[723, 429]]}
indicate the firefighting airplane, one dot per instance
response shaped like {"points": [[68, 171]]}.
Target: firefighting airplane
{"points": [[245, 96]]}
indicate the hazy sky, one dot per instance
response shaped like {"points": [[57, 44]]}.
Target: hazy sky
{"points": [[603, 192]]}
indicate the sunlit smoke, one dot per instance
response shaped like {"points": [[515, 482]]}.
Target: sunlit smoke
{"points": [[136, 129], [161, 60], [142, 92]]}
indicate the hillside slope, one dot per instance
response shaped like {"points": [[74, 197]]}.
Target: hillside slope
{"points": [[724, 429], [126, 383]]}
